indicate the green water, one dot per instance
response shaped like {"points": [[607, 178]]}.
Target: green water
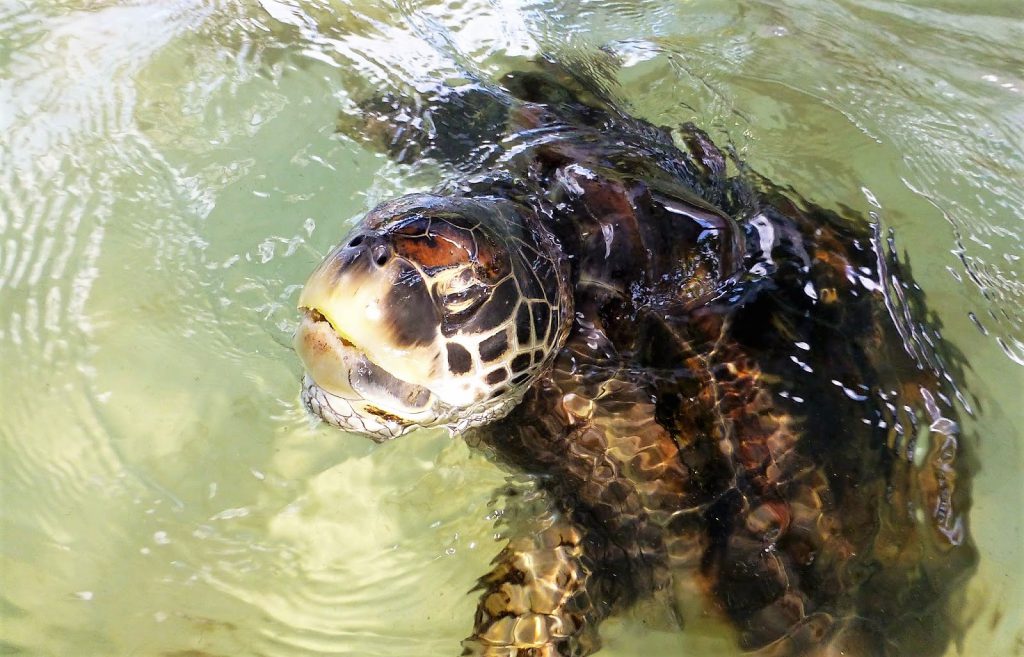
{"points": [[170, 172]]}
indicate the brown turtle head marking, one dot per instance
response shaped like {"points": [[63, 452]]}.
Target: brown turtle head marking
{"points": [[433, 311]]}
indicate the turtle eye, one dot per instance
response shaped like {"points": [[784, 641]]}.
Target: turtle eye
{"points": [[461, 292], [464, 300]]}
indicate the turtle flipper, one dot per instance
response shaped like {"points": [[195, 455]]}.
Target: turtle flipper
{"points": [[455, 125], [465, 124], [535, 599], [589, 434]]}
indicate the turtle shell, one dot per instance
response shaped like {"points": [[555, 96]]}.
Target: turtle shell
{"points": [[747, 408]]}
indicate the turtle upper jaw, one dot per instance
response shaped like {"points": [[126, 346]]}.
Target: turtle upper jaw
{"points": [[327, 355]]}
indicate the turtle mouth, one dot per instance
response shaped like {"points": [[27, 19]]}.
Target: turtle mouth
{"points": [[315, 316], [345, 387]]}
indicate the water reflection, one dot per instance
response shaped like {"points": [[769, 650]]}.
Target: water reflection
{"points": [[149, 155]]}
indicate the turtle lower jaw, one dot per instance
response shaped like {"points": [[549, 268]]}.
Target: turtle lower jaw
{"points": [[351, 414], [345, 388]]}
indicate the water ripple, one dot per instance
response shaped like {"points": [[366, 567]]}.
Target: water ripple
{"points": [[169, 171]]}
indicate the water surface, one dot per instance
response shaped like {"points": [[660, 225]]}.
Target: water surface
{"points": [[170, 171]]}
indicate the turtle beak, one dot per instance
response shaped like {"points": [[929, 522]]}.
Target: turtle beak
{"points": [[347, 346], [327, 357], [356, 303], [348, 300]]}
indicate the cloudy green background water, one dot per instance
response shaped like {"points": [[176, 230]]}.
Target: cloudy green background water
{"points": [[170, 172]]}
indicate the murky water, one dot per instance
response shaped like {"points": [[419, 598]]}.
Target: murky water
{"points": [[170, 171]]}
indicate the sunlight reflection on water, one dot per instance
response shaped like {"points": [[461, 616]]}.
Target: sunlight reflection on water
{"points": [[170, 172]]}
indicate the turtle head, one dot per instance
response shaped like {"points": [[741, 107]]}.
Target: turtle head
{"points": [[434, 311]]}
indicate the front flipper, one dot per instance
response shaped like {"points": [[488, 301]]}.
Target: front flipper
{"points": [[470, 123], [466, 126], [614, 478], [456, 125], [535, 600]]}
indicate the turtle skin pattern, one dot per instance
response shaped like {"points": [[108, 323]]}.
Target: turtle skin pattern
{"points": [[746, 412]]}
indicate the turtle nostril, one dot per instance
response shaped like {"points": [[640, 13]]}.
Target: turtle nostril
{"points": [[380, 255], [357, 240]]}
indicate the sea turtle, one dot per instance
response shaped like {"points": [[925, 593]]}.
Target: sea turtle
{"points": [[719, 389]]}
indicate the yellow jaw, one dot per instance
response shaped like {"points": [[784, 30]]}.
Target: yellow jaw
{"points": [[353, 303]]}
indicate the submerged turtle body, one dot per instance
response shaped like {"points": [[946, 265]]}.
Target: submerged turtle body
{"points": [[710, 381]]}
